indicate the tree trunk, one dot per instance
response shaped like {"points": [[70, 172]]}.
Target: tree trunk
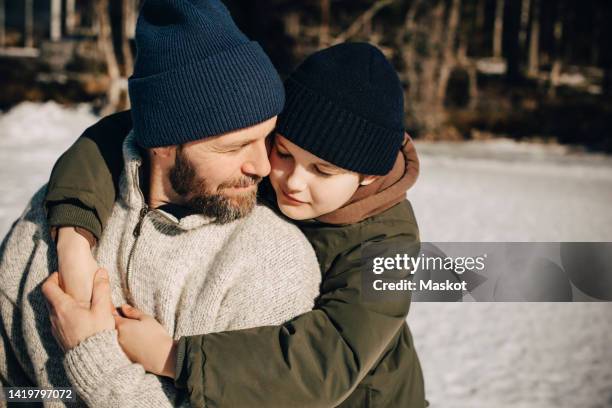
{"points": [[525, 11], [427, 109], [478, 34], [481, 14], [448, 54], [534, 42], [498, 29], [56, 20], [2, 25], [555, 72], [324, 28], [70, 16], [105, 44], [131, 26], [29, 23], [513, 48], [605, 52], [406, 44], [127, 17], [361, 21]]}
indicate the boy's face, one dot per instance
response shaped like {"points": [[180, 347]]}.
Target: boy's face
{"points": [[306, 186]]}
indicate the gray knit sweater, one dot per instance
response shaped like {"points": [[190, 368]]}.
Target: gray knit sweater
{"points": [[192, 275]]}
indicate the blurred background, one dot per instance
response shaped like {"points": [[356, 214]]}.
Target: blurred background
{"points": [[510, 103]]}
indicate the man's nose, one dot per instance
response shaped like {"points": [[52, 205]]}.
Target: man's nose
{"points": [[257, 164]]}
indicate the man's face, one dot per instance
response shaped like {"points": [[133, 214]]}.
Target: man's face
{"points": [[218, 177]]}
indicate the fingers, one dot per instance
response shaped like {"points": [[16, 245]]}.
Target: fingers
{"points": [[101, 295], [53, 293], [131, 312], [119, 320]]}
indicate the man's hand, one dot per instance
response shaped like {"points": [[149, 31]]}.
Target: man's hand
{"points": [[71, 322], [146, 342]]}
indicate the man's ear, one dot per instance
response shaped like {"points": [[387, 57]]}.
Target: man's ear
{"points": [[367, 180], [163, 152]]}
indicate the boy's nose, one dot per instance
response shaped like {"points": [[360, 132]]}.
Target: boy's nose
{"points": [[296, 181]]}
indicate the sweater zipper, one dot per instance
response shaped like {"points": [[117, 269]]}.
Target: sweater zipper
{"points": [[136, 232], [143, 213]]}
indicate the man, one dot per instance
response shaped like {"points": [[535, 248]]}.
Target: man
{"points": [[185, 242]]}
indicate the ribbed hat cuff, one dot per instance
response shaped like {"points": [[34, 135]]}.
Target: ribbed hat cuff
{"points": [[316, 124], [225, 92]]}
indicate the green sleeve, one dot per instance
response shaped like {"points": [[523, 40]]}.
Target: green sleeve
{"points": [[84, 181], [315, 360]]}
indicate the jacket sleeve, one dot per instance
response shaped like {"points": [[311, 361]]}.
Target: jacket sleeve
{"points": [[314, 360], [84, 181]]}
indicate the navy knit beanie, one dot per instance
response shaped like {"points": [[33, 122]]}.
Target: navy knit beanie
{"points": [[345, 104], [197, 75]]}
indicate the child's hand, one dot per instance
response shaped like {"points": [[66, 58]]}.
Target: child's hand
{"points": [[146, 342], [76, 265]]}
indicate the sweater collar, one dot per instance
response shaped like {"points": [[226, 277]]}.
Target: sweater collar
{"points": [[133, 195]]}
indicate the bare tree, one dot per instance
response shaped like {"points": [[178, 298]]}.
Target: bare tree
{"points": [[2, 25], [448, 60], [478, 33], [324, 28], [70, 16], [480, 14], [513, 52], [128, 13], [56, 20], [555, 72], [525, 11], [605, 52], [533, 64], [362, 21], [105, 44], [428, 44], [29, 23], [498, 28]]}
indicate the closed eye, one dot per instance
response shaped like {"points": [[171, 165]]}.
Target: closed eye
{"points": [[237, 148], [321, 172], [282, 154]]}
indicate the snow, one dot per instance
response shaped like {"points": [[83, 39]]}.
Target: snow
{"points": [[32, 137], [473, 354]]}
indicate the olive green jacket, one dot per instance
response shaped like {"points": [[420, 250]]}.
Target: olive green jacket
{"points": [[346, 352]]}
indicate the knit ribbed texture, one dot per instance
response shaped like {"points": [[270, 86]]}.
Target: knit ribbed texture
{"points": [[193, 276], [67, 214], [345, 105], [197, 75]]}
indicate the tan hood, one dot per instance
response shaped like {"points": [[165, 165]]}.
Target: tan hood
{"points": [[382, 194]]}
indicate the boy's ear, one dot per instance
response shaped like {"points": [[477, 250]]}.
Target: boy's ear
{"points": [[367, 180]]}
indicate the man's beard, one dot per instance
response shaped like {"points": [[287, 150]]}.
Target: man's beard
{"points": [[215, 204]]}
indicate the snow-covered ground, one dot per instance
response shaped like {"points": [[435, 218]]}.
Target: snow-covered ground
{"points": [[32, 137], [513, 354], [473, 354]]}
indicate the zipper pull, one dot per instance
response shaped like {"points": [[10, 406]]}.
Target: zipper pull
{"points": [[143, 212]]}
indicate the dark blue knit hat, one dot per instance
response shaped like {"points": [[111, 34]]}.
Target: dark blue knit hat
{"points": [[197, 75], [345, 104]]}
